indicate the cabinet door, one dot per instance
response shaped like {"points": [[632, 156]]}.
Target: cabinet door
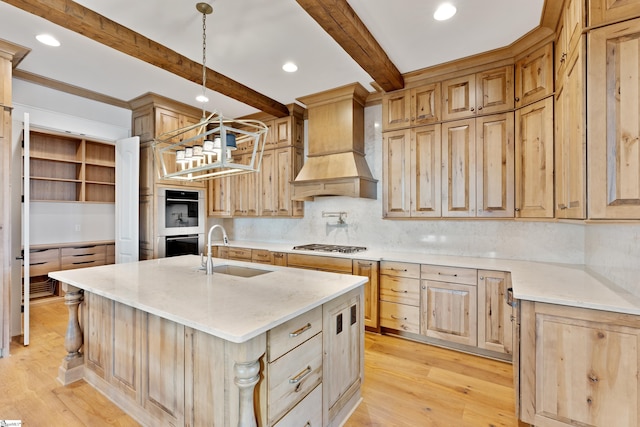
{"points": [[613, 129], [534, 160], [608, 11], [570, 141], [396, 178], [343, 359], [426, 170], [425, 104], [268, 178], [459, 168], [126, 346], [494, 90], [494, 165], [219, 197], [163, 370], [369, 269], [396, 110], [449, 312], [284, 175], [534, 76], [579, 367], [147, 235], [495, 329], [459, 97]]}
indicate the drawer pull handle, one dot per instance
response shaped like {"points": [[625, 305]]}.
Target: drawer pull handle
{"points": [[445, 274], [308, 424], [38, 263], [77, 255], [397, 269], [398, 318], [82, 262], [399, 291], [300, 331], [300, 376]]}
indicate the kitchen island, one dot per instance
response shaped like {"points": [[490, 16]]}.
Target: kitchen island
{"points": [[171, 345]]}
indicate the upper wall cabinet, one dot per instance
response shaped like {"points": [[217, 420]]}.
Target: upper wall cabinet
{"points": [[534, 76], [534, 160], [613, 129], [411, 107], [610, 11], [486, 92]]}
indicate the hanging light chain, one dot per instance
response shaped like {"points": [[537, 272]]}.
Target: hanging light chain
{"points": [[204, 60]]}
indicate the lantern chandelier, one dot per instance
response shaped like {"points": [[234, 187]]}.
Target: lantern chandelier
{"points": [[197, 152]]}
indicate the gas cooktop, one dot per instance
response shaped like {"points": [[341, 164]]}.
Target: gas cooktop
{"points": [[330, 248]]}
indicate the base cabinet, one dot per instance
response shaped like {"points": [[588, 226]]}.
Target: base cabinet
{"points": [[578, 367]]}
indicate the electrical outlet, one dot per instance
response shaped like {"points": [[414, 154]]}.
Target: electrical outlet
{"points": [[77, 227]]}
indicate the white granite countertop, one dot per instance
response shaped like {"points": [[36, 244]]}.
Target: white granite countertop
{"points": [[229, 307], [563, 284]]}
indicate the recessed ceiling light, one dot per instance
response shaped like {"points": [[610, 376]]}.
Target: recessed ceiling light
{"points": [[290, 67], [444, 12], [202, 98], [47, 39]]}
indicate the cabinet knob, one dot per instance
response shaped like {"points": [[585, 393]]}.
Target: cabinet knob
{"points": [[517, 209], [473, 109], [517, 99], [481, 277], [480, 108]]}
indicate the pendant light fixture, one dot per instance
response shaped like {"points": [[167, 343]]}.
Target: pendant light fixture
{"points": [[197, 152]]}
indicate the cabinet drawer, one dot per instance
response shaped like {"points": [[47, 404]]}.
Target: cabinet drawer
{"points": [[399, 316], [467, 276], [306, 413], [43, 261], [279, 258], [261, 255], [239, 254], [400, 289], [319, 262], [404, 269], [83, 256], [293, 376], [294, 332]]}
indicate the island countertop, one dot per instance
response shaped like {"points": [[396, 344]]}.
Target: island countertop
{"points": [[229, 307]]}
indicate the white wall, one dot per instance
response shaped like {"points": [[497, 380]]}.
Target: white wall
{"points": [[530, 240]]}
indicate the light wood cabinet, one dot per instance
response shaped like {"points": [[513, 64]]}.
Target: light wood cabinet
{"points": [[569, 32], [413, 191], [578, 367], [610, 11], [478, 158], [534, 160], [534, 76], [485, 92], [71, 169], [151, 116], [613, 132], [400, 296], [570, 139], [368, 269], [320, 262], [495, 329], [459, 168], [266, 193], [411, 107], [449, 305]]}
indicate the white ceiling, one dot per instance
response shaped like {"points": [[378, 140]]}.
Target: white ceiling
{"points": [[249, 40]]}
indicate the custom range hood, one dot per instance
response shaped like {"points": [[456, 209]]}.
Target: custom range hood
{"points": [[335, 164]]}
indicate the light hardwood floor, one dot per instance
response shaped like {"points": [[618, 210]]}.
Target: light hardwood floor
{"points": [[406, 384]]}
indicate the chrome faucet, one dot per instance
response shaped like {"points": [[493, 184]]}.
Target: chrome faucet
{"points": [[209, 263]]}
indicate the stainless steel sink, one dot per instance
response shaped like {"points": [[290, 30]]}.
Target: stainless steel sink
{"points": [[236, 270]]}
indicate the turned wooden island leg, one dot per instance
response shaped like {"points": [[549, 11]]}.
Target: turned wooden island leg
{"points": [[72, 367], [247, 376]]}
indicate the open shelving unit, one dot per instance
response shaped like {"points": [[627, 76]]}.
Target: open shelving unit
{"points": [[71, 169]]}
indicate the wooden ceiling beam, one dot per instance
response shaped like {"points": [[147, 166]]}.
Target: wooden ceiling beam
{"points": [[338, 19], [81, 20]]}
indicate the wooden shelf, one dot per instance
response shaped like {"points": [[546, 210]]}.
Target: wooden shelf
{"points": [[71, 169]]}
